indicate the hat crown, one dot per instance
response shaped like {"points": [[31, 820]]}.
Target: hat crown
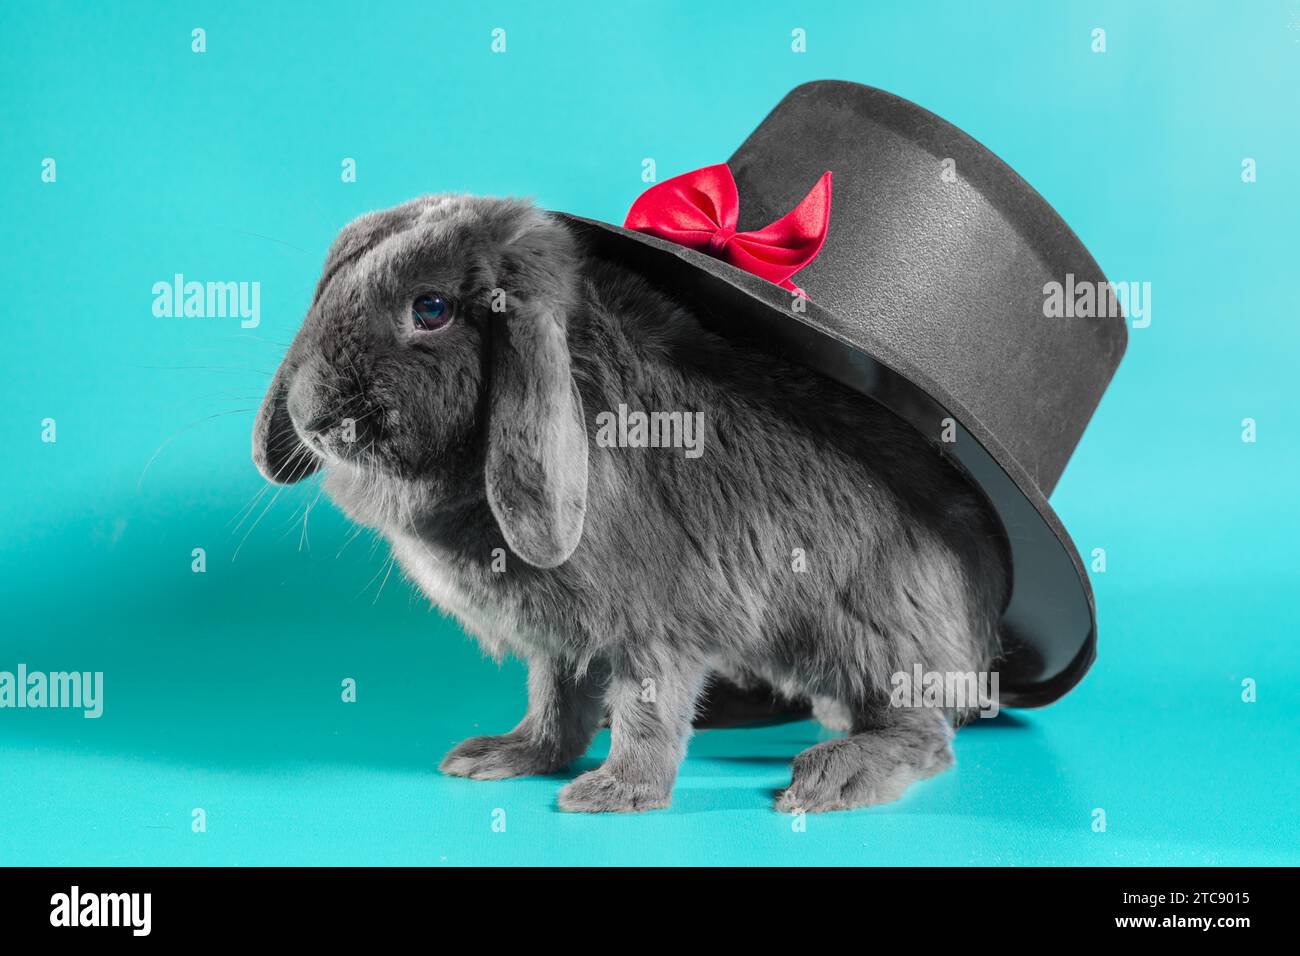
{"points": [[940, 250]]}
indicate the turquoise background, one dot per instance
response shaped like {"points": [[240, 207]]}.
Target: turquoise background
{"points": [[223, 688]]}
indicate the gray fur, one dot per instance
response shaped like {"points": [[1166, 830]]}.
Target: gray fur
{"points": [[536, 473], [632, 574]]}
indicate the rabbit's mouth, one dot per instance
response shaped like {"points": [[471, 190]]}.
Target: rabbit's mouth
{"points": [[329, 438], [333, 428]]}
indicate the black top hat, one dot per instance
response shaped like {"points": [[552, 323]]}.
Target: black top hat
{"points": [[928, 296]]}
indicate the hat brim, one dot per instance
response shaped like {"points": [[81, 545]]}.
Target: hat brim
{"points": [[1049, 626]]}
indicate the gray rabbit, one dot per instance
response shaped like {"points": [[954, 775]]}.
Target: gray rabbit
{"points": [[450, 379]]}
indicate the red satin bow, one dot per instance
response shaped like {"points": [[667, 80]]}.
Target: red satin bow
{"points": [[700, 210]]}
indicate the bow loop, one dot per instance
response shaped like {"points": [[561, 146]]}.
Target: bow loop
{"points": [[700, 210]]}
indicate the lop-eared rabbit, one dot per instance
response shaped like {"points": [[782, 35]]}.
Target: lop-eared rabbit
{"points": [[450, 379]]}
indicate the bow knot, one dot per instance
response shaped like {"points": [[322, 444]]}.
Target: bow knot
{"points": [[700, 210], [718, 241]]}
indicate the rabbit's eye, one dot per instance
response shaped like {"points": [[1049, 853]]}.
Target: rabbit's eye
{"points": [[430, 312]]}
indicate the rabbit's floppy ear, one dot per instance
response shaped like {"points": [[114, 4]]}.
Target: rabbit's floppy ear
{"points": [[536, 434], [278, 452]]}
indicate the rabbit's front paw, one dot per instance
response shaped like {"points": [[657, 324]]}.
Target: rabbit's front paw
{"points": [[600, 791], [496, 758]]}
